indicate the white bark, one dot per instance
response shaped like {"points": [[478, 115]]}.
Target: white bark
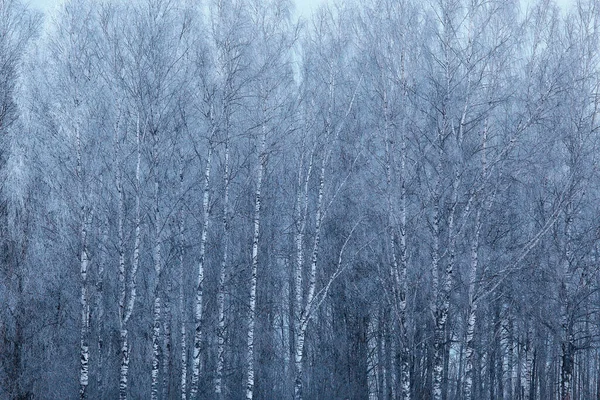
{"points": [[528, 365], [403, 285], [85, 310], [182, 313], [512, 351], [399, 269], [200, 279], [308, 306], [124, 367], [472, 276], [166, 356], [441, 294], [104, 234], [84, 264], [127, 300], [262, 161], [219, 389], [566, 370], [299, 308], [435, 257], [157, 307], [471, 313], [373, 360], [305, 305]]}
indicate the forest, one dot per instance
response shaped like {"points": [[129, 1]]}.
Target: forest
{"points": [[218, 199]]}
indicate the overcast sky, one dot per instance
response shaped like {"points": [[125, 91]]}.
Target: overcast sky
{"points": [[304, 6]]}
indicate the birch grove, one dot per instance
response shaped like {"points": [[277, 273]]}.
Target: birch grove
{"points": [[243, 200]]}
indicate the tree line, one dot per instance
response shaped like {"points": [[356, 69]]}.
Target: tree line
{"points": [[390, 199]]}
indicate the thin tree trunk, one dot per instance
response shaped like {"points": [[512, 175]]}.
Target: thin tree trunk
{"points": [[442, 294], [182, 314], [167, 362], [126, 304], [200, 278], [405, 355], [510, 358], [443, 303], [567, 364], [373, 358], [399, 269], [219, 386], [380, 366], [301, 216], [85, 309], [156, 311], [528, 364], [471, 313], [157, 307], [84, 264], [308, 305], [104, 234], [567, 356], [438, 331], [472, 304], [498, 332], [124, 367], [262, 160], [304, 306]]}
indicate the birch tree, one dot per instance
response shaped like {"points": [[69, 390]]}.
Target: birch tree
{"points": [[387, 46], [74, 122], [221, 90], [324, 86]]}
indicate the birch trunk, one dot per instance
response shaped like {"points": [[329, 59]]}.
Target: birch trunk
{"points": [[441, 294], [566, 367], [405, 355], [471, 313], [472, 305], [126, 303], [219, 389], [308, 306], [124, 366], [166, 356], [200, 279], [305, 305], [83, 264], [104, 234], [157, 307], [262, 161], [528, 365], [301, 216], [182, 314], [567, 346], [567, 363], [443, 300], [438, 333], [156, 310], [399, 269], [85, 309]]}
